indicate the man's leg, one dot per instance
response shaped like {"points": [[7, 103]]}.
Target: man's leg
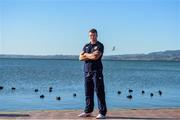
{"points": [[89, 93], [99, 88]]}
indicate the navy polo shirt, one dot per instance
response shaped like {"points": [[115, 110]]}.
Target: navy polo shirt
{"points": [[93, 65]]}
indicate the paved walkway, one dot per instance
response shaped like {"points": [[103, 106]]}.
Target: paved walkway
{"points": [[163, 114]]}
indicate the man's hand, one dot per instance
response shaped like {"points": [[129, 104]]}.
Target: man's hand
{"points": [[82, 56]]}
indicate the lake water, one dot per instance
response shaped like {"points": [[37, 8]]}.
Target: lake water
{"points": [[66, 78]]}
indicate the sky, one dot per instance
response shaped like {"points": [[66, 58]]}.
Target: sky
{"points": [[52, 27]]}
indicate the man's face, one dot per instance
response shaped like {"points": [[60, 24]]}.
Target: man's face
{"points": [[92, 37]]}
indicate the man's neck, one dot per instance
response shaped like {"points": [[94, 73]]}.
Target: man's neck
{"points": [[93, 42]]}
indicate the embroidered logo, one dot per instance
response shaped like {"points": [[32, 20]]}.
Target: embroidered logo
{"points": [[95, 48]]}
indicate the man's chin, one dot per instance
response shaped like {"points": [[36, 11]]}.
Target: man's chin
{"points": [[93, 41]]}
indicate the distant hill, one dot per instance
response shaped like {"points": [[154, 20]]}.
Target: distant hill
{"points": [[40, 56], [169, 55]]}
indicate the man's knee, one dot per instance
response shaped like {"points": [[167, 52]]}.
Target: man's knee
{"points": [[99, 90]]}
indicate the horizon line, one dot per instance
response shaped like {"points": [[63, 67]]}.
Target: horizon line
{"points": [[78, 54]]}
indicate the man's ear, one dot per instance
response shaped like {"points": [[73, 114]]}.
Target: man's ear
{"points": [[96, 35]]}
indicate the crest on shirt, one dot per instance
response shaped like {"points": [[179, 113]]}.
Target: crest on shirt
{"points": [[95, 48], [86, 47]]}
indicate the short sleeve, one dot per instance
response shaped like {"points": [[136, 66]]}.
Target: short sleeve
{"points": [[84, 48], [101, 48]]}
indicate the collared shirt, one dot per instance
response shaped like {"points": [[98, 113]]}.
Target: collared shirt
{"points": [[93, 65]]}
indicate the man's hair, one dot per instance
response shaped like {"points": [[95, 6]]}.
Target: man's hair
{"points": [[94, 31]]}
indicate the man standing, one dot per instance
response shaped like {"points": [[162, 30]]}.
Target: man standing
{"points": [[93, 68]]}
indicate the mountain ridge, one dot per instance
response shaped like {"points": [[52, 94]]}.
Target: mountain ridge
{"points": [[168, 55]]}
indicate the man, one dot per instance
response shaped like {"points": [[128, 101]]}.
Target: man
{"points": [[91, 55]]}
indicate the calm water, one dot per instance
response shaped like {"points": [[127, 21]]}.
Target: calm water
{"points": [[66, 78]]}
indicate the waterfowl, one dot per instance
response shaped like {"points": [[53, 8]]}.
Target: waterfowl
{"points": [[42, 96], [160, 92], [13, 88], [130, 90], [58, 98], [50, 90], [129, 96], [118, 92], [36, 90], [1, 87], [74, 94]]}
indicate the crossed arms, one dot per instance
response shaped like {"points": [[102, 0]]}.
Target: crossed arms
{"points": [[90, 56]]}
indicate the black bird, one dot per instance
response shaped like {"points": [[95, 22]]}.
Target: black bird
{"points": [[160, 92], [130, 90], [118, 92], [50, 90], [1, 87], [36, 90], [74, 94], [42, 96], [58, 98], [142, 91], [129, 96], [113, 49], [151, 94], [13, 88]]}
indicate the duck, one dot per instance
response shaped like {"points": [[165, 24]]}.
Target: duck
{"points": [[36, 90], [1, 87], [42, 96], [118, 92], [50, 88], [74, 94], [160, 92], [13, 88], [130, 90], [129, 96], [58, 98]]}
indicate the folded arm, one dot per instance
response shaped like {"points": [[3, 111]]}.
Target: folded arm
{"points": [[90, 56]]}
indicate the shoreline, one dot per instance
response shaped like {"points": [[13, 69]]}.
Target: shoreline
{"points": [[159, 113], [145, 108]]}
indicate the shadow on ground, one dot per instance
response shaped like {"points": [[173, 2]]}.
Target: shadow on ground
{"points": [[14, 115]]}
